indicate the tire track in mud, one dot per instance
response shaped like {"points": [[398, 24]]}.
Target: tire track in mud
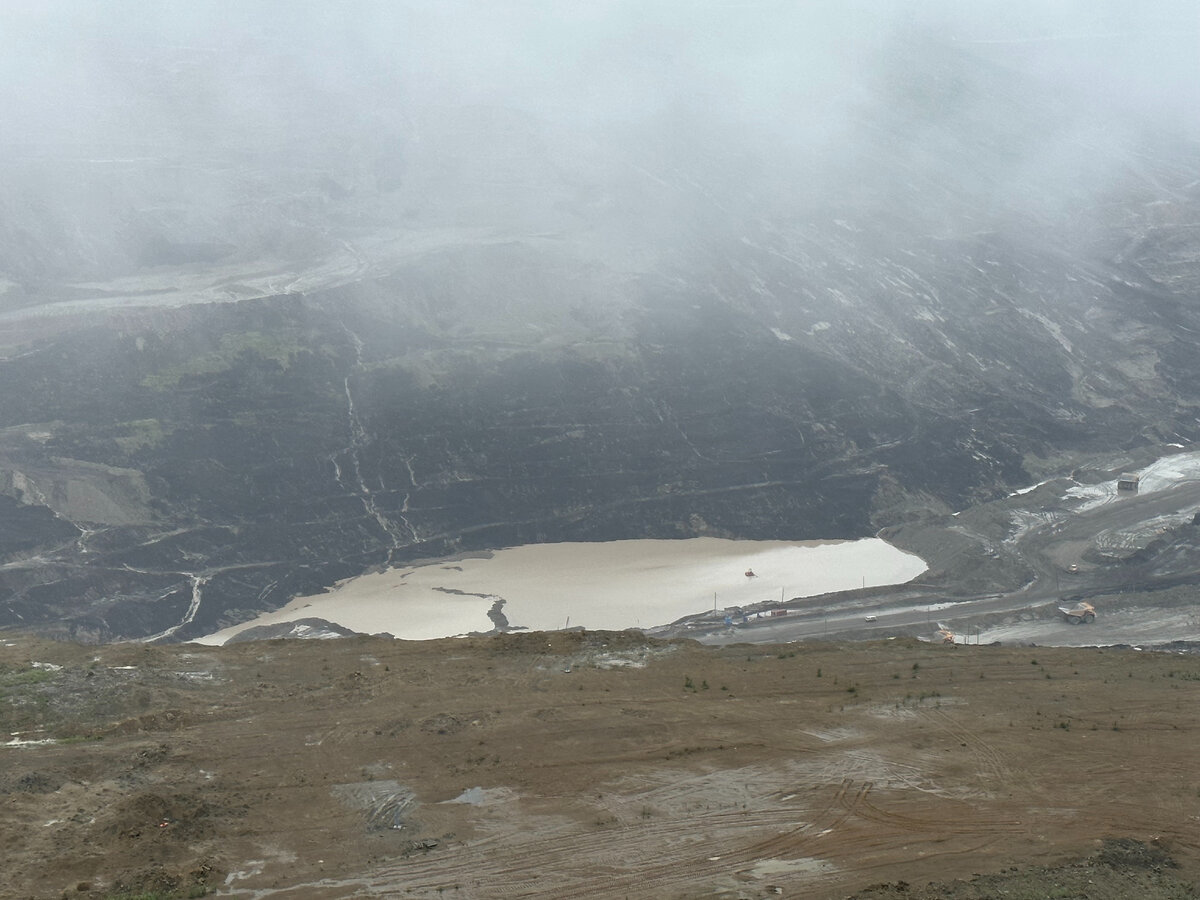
{"points": [[803, 840], [608, 854], [989, 758], [939, 824], [645, 858], [527, 868], [506, 864], [656, 881], [629, 859], [851, 802], [832, 817]]}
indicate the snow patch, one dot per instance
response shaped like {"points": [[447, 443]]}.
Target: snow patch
{"points": [[17, 742], [1158, 476], [471, 796], [1050, 325], [1029, 490]]}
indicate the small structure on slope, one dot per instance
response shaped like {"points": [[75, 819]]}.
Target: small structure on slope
{"points": [[1128, 482]]}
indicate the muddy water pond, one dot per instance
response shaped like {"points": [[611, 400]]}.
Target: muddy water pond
{"points": [[611, 585]]}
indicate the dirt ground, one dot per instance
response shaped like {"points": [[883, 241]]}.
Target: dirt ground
{"points": [[596, 765]]}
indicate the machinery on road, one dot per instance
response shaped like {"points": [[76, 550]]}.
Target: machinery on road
{"points": [[1082, 613]]}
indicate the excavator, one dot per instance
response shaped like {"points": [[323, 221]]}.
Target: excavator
{"points": [[943, 636]]}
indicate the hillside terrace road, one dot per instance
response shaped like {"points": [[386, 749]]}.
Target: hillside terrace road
{"points": [[1057, 540]]}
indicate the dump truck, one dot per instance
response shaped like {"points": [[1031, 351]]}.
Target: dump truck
{"points": [[1080, 613]]}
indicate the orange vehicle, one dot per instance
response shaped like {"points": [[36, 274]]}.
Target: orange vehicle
{"points": [[1081, 613]]}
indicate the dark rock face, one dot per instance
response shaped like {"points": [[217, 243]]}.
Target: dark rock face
{"points": [[26, 529], [737, 339], [284, 443]]}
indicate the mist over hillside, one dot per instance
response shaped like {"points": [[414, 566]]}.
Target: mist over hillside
{"points": [[196, 132], [291, 291]]}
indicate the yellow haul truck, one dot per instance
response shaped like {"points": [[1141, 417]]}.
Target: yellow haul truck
{"points": [[1081, 613]]}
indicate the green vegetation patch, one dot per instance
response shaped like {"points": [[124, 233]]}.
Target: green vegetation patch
{"points": [[141, 433], [194, 891], [277, 347], [22, 677], [22, 705]]}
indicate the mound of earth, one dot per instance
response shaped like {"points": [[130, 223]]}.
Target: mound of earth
{"points": [[1122, 868]]}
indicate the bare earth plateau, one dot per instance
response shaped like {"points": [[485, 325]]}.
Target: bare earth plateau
{"points": [[598, 764]]}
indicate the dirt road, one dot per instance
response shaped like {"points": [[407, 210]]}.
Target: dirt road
{"points": [[1007, 558]]}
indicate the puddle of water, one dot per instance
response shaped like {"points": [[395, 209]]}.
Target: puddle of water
{"points": [[806, 866], [612, 585], [471, 796]]}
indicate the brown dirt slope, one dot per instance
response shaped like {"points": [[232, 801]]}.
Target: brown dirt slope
{"points": [[1122, 869], [595, 765]]}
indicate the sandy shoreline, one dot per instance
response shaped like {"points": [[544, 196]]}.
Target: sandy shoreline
{"points": [[610, 585]]}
